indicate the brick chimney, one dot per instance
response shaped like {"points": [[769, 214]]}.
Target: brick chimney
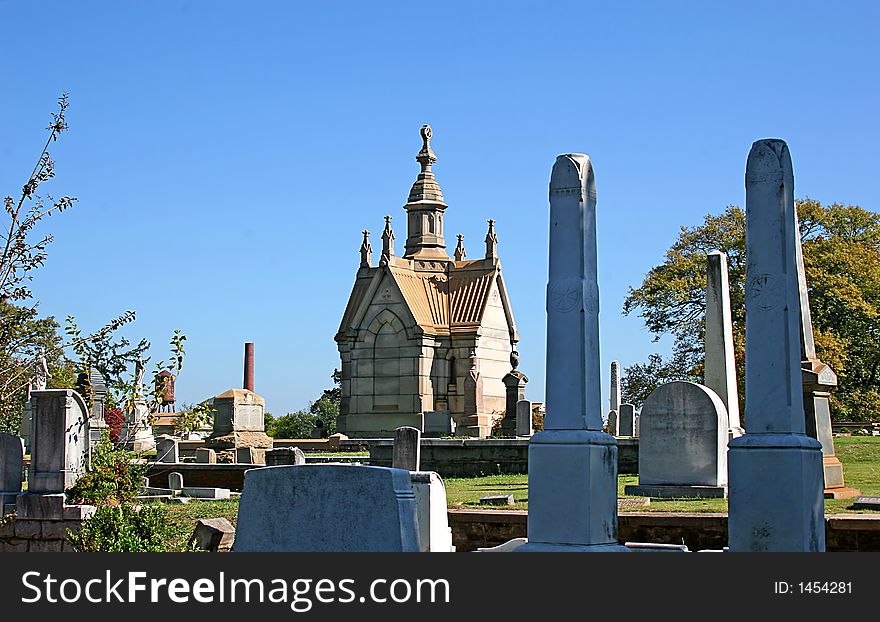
{"points": [[249, 365]]}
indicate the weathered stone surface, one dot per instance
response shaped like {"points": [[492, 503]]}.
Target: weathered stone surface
{"points": [[626, 425], [213, 534], [327, 508], [40, 506], [206, 456], [28, 529], [196, 492], [572, 463], [684, 434], [59, 440], [175, 481], [524, 427], [46, 546], [11, 461], [250, 455], [285, 456], [167, 449], [615, 387], [785, 511], [613, 423], [497, 500], [407, 449]]}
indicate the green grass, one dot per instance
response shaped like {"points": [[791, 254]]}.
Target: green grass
{"points": [[860, 456]]}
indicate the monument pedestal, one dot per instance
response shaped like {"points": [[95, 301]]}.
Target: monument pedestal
{"points": [[776, 501], [572, 492], [834, 486]]}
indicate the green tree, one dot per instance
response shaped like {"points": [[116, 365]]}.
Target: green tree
{"points": [[842, 261], [300, 424]]}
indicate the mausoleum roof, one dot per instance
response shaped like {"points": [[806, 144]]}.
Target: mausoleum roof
{"points": [[241, 396]]}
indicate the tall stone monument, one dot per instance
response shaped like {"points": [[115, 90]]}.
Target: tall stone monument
{"points": [[720, 365], [572, 463], [137, 432], [615, 387], [775, 469], [818, 379]]}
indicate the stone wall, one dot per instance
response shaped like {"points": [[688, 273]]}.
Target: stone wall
{"points": [[476, 457], [472, 529], [36, 536]]}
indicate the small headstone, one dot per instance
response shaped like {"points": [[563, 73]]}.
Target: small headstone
{"points": [[167, 450], [11, 462], [250, 455], [497, 500], [435, 535], [627, 420], [867, 503], [200, 492], [613, 423], [175, 481], [213, 535], [206, 456], [683, 443], [285, 456], [327, 508], [524, 418], [407, 449]]}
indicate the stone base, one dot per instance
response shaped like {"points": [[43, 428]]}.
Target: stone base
{"points": [[841, 493], [677, 492], [833, 470], [572, 492], [775, 489], [234, 440]]}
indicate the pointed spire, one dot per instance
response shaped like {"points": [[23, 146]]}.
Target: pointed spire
{"points": [[366, 251], [387, 241], [460, 253], [425, 208], [491, 241]]}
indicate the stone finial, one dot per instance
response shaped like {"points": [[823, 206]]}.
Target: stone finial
{"points": [[366, 250], [514, 359], [387, 241], [491, 241], [460, 253], [426, 156]]}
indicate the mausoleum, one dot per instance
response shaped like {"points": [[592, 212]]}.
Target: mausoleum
{"points": [[426, 338]]}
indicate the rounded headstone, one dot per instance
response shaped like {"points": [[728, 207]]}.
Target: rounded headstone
{"points": [[683, 437]]}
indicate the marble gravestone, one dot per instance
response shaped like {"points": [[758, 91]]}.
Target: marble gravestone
{"points": [[818, 380], [683, 443], [59, 446], [11, 461], [327, 508], [719, 370], [572, 463], [626, 421], [783, 511]]}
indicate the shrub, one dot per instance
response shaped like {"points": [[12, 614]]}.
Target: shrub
{"points": [[113, 477], [124, 529]]}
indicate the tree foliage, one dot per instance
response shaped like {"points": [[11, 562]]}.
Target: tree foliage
{"points": [[841, 246], [301, 423]]}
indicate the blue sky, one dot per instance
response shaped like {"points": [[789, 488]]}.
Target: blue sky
{"points": [[227, 155]]}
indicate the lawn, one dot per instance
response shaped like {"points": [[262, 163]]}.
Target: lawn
{"points": [[860, 456]]}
